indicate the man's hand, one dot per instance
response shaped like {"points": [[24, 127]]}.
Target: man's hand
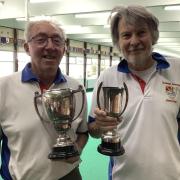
{"points": [[104, 122]]}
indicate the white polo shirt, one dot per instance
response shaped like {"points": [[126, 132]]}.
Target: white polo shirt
{"points": [[149, 127], [26, 143]]}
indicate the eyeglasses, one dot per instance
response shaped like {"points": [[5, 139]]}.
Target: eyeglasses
{"points": [[42, 40]]}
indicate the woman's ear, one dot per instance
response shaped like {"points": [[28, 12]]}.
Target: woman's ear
{"points": [[26, 48]]}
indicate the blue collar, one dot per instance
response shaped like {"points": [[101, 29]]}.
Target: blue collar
{"points": [[29, 76], [161, 63]]}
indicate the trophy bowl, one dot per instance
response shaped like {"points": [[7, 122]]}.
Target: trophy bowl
{"points": [[59, 105], [113, 98]]}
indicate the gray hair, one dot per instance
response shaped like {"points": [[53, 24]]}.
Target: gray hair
{"points": [[31, 24], [133, 15]]}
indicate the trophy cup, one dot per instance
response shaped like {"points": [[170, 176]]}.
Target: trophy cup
{"points": [[59, 105], [113, 98]]}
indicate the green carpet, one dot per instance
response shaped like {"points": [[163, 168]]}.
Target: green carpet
{"points": [[94, 166]]}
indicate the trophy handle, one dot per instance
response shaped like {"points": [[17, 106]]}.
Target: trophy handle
{"points": [[80, 89], [127, 97], [98, 92], [37, 95]]}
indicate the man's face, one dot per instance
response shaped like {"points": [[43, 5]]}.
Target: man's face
{"points": [[135, 42], [45, 48]]}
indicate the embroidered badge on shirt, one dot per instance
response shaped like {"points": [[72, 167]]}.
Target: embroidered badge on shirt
{"points": [[171, 92]]}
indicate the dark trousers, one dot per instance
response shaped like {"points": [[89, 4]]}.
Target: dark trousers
{"points": [[73, 175]]}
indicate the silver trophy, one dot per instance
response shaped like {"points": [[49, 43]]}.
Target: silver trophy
{"points": [[113, 98], [59, 105]]}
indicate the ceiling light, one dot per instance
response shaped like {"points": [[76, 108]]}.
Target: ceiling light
{"points": [[41, 1], [173, 8], [107, 26], [167, 44], [71, 26], [92, 15], [35, 18], [21, 19], [75, 29], [107, 40], [167, 52]]}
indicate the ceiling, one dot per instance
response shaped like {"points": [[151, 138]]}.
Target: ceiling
{"points": [[94, 29]]}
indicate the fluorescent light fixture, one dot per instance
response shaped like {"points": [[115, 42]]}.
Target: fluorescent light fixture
{"points": [[167, 44], [93, 15], [21, 19], [35, 18], [172, 8], [167, 53], [106, 40], [42, 1], [75, 29], [71, 27], [107, 26]]}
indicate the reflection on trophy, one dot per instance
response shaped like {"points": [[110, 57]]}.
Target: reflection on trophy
{"points": [[59, 105], [113, 100]]}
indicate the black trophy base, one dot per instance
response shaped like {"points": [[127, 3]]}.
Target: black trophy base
{"points": [[63, 152], [111, 149]]}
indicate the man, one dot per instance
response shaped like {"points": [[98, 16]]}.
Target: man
{"points": [[149, 125], [26, 143]]}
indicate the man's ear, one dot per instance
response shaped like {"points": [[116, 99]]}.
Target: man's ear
{"points": [[26, 48]]}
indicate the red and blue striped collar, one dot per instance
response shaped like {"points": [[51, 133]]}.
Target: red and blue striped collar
{"points": [[161, 63], [29, 76]]}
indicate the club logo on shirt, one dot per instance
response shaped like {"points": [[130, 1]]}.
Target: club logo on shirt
{"points": [[171, 92]]}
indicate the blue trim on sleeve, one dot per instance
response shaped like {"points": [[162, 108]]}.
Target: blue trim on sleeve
{"points": [[5, 156], [161, 63], [90, 119], [28, 75]]}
